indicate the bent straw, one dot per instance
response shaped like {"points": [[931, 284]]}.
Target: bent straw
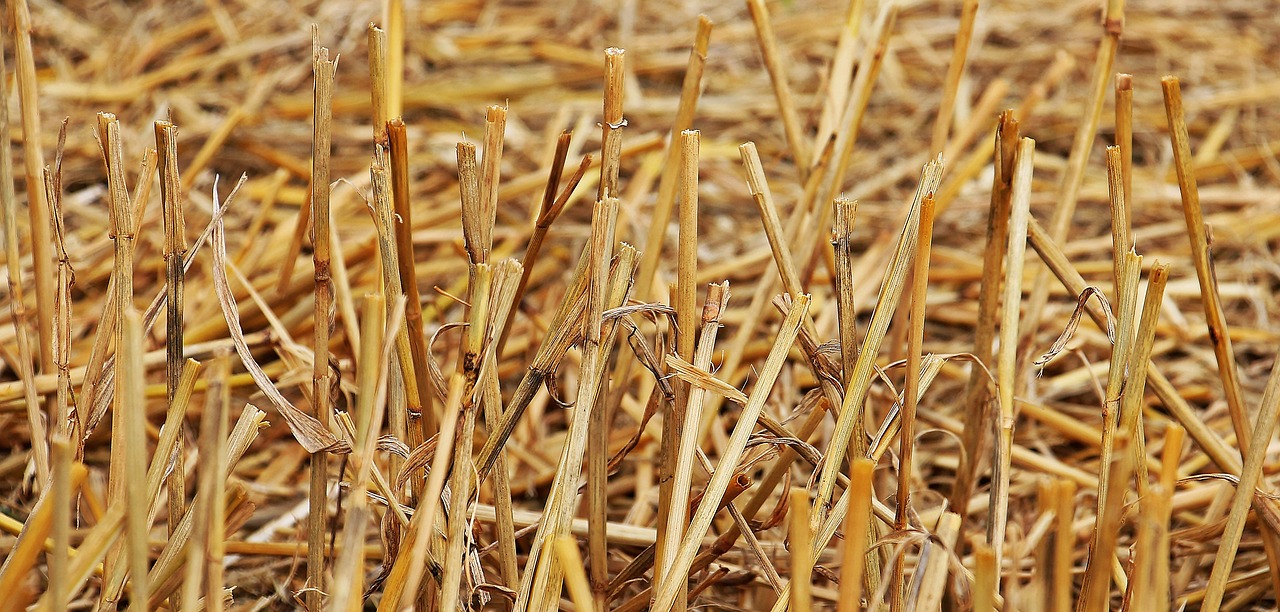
{"points": [[666, 591], [850, 434]]}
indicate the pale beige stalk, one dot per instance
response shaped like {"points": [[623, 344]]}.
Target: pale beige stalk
{"points": [[1006, 371]]}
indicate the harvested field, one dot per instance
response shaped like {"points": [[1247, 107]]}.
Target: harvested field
{"points": [[627, 305]]}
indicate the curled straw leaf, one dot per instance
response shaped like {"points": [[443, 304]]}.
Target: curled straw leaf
{"points": [[309, 432], [1070, 329], [1235, 480]]}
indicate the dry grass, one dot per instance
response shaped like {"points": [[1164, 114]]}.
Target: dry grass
{"points": [[551, 422]]}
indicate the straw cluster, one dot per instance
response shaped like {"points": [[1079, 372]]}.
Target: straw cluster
{"points": [[474, 306]]}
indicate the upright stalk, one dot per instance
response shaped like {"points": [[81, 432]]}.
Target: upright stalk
{"points": [[13, 261], [321, 376], [175, 252], [978, 393], [37, 200], [906, 436], [1006, 372], [122, 233], [423, 423]]}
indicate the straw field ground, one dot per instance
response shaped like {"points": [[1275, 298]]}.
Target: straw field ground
{"points": [[625, 305]]}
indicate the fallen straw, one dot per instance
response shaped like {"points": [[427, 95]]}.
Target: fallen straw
{"points": [[1081, 146]]}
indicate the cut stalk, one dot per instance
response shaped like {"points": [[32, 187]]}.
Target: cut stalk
{"points": [[906, 436], [372, 376], [63, 489], [1064, 548], [541, 577], [850, 433], [801, 553], [460, 485], [122, 234], [206, 532], [175, 252], [169, 434], [856, 522], [1124, 131], [322, 377], [401, 587], [506, 289], [682, 474], [1121, 224], [676, 430], [422, 424], [377, 41], [1096, 593], [1006, 372], [611, 128], [1151, 555], [791, 282], [1202, 257], [495, 127], [13, 261], [133, 411], [37, 200], [65, 419], [842, 240], [1250, 476], [986, 578], [1126, 303], [1132, 403], [978, 393], [404, 392]]}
